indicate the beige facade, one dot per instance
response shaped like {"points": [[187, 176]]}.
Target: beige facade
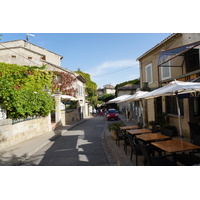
{"points": [[128, 89], [107, 89], [22, 52], [184, 68]]}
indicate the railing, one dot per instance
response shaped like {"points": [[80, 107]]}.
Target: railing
{"points": [[14, 121]]}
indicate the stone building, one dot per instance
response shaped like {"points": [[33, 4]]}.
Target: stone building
{"points": [[107, 89], [181, 51]]}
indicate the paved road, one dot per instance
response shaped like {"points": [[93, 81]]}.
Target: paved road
{"points": [[81, 146]]}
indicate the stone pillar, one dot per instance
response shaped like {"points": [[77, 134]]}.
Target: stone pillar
{"points": [[57, 109]]}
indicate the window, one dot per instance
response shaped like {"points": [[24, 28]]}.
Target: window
{"points": [[166, 70], [43, 57], [30, 58], [171, 105], [192, 60], [149, 73], [13, 56]]}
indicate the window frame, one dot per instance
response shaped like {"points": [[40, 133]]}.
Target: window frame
{"points": [[169, 67], [151, 73]]}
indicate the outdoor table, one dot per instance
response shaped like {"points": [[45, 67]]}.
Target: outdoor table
{"points": [[128, 127], [151, 137], [138, 131], [175, 146]]}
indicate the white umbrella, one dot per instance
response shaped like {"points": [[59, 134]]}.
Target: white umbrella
{"points": [[137, 96], [175, 88], [117, 99], [67, 97]]}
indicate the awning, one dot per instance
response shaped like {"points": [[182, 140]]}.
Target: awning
{"points": [[167, 55]]}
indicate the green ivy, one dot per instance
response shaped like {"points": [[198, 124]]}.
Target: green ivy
{"points": [[22, 90], [91, 89], [131, 82]]}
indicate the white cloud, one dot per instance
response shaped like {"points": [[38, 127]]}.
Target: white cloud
{"points": [[112, 66], [114, 72]]}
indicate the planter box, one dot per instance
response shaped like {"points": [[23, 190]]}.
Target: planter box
{"points": [[114, 134], [169, 131]]}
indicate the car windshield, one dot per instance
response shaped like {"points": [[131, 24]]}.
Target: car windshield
{"points": [[112, 111]]}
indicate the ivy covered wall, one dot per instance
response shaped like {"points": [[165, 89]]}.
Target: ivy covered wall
{"points": [[22, 90]]}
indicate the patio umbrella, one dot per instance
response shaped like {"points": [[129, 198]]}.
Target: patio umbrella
{"points": [[174, 88], [67, 97], [117, 99], [135, 97]]}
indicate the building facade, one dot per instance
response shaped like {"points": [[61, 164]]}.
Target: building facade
{"points": [[21, 52], [176, 57], [107, 89]]}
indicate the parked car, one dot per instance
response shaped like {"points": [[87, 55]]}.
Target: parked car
{"points": [[112, 114]]}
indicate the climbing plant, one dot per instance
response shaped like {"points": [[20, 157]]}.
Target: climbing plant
{"points": [[91, 88], [132, 82], [22, 90], [63, 82]]}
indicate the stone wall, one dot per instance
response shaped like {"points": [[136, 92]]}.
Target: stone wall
{"points": [[11, 134], [69, 116]]}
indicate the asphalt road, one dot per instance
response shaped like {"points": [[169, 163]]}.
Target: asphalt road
{"points": [[83, 145]]}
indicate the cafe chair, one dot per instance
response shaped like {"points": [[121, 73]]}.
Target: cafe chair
{"points": [[194, 132], [194, 135], [154, 160], [187, 159], [126, 141], [135, 148], [119, 137]]}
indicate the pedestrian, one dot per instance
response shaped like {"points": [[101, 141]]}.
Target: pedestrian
{"points": [[127, 115], [101, 112]]}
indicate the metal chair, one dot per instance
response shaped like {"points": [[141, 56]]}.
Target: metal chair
{"points": [[119, 137], [152, 160], [126, 141], [194, 135], [187, 159], [135, 148], [194, 132]]}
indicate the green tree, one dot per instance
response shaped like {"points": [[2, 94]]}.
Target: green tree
{"points": [[132, 82], [106, 97], [91, 88]]}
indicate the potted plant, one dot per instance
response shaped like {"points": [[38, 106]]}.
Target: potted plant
{"points": [[163, 121], [154, 126], [114, 127]]}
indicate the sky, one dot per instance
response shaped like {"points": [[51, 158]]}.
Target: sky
{"points": [[110, 58], [103, 38]]}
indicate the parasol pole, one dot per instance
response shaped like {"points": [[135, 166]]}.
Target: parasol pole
{"points": [[179, 115]]}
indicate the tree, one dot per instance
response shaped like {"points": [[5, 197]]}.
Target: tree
{"points": [[132, 82], [106, 97], [91, 88]]}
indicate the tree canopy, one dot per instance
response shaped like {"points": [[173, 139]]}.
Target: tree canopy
{"points": [[91, 88], [131, 82]]}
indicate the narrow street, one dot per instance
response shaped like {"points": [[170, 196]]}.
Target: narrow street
{"points": [[83, 145]]}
